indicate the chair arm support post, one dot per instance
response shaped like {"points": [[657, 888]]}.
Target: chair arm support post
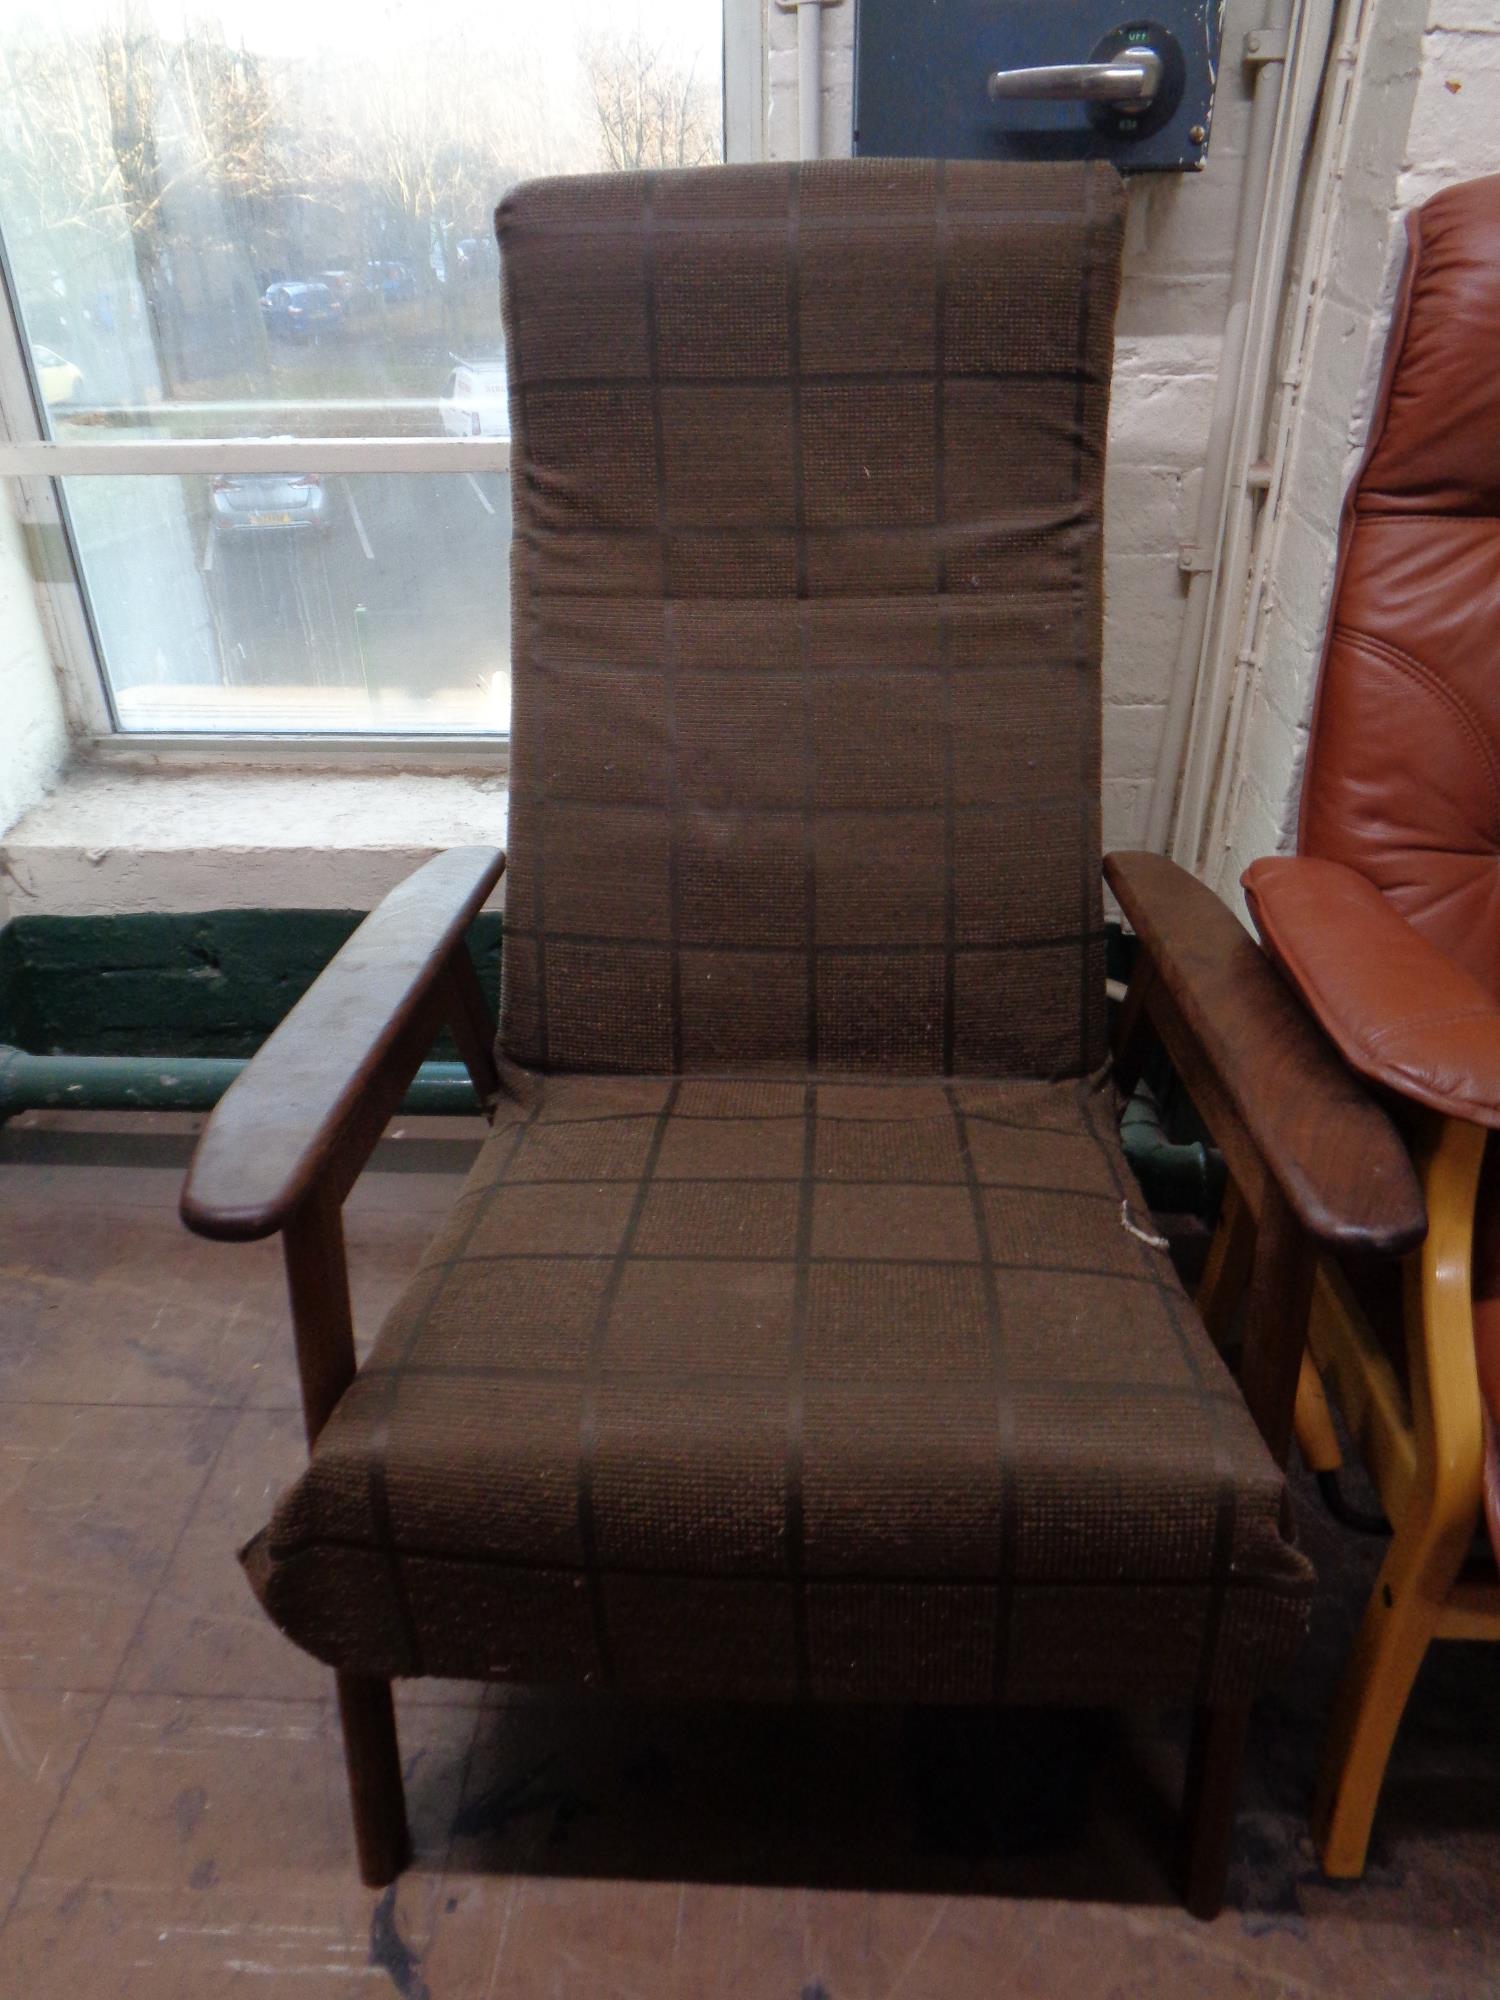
{"points": [[1447, 1405], [1278, 1298], [471, 1027], [317, 1279], [1132, 1036]]}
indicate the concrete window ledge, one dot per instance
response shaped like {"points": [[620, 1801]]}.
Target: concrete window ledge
{"points": [[110, 842]]}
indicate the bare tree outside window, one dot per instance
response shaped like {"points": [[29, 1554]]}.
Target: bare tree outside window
{"points": [[652, 111]]}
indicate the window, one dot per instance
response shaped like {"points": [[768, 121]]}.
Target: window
{"points": [[257, 378]]}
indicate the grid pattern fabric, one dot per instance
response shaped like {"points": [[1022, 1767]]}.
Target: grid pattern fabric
{"points": [[806, 585], [778, 1388]]}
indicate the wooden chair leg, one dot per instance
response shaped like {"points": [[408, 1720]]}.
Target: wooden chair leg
{"points": [[1437, 1524], [376, 1795], [1216, 1757], [1399, 1624]]}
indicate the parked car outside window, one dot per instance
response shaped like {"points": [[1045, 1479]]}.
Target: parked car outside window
{"points": [[300, 311], [476, 401], [273, 501]]}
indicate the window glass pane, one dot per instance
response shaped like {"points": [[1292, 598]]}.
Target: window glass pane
{"points": [[374, 602], [269, 216]]}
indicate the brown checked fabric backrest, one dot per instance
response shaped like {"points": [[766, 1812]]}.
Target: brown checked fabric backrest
{"points": [[806, 473]]}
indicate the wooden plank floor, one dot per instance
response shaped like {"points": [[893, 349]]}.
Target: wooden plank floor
{"points": [[172, 1812]]}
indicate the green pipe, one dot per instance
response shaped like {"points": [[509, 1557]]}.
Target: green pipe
{"points": [[177, 1083], [1182, 1179], [1185, 1178]]}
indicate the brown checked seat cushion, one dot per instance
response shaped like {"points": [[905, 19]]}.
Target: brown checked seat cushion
{"points": [[787, 1340], [850, 1390]]}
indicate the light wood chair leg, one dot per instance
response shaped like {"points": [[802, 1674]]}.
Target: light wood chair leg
{"points": [[376, 1794], [1216, 1758], [1398, 1626], [1436, 1525]]}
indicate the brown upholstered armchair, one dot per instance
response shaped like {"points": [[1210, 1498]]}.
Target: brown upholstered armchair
{"points": [[798, 1334], [1387, 924]]}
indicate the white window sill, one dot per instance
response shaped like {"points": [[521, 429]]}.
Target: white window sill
{"points": [[113, 842]]}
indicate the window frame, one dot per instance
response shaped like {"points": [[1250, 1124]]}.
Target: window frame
{"points": [[33, 465]]}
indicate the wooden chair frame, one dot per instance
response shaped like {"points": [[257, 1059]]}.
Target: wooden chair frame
{"points": [[287, 1141], [281, 1152], [1314, 1166], [1422, 1443]]}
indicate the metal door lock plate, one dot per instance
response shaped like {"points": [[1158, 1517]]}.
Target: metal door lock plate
{"points": [[1007, 79]]}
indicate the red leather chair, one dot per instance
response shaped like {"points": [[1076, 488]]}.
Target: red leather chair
{"points": [[1387, 924]]}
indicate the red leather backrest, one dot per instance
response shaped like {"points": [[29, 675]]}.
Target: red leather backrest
{"points": [[1403, 777]]}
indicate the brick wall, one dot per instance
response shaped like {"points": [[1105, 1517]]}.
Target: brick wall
{"points": [[33, 730], [1427, 113]]}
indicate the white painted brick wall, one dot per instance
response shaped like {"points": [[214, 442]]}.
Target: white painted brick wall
{"points": [[1178, 249], [1455, 125], [1427, 115], [33, 728]]}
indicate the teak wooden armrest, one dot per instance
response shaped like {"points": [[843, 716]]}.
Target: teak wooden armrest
{"points": [[308, 1109], [1313, 1158]]}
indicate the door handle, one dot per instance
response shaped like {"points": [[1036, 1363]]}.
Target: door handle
{"points": [[1128, 82]]}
